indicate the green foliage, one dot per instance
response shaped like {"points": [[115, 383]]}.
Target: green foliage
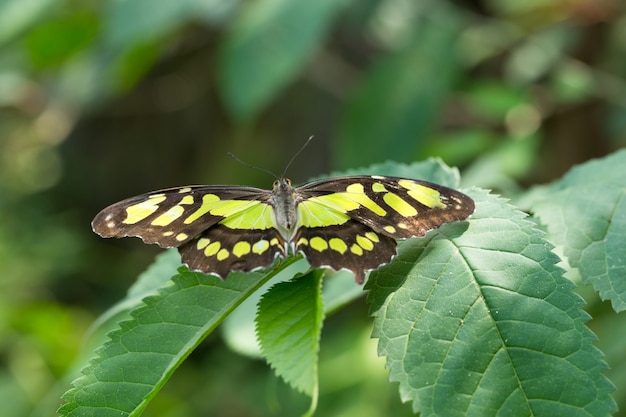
{"points": [[162, 332], [477, 311], [480, 313], [585, 213], [102, 100], [55, 42], [16, 16]]}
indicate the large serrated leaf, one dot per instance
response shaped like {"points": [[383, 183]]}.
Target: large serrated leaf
{"points": [[289, 324], [477, 320], [585, 212], [144, 352]]}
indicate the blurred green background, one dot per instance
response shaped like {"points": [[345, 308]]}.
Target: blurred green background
{"points": [[100, 100]]}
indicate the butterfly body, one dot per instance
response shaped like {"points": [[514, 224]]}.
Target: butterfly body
{"points": [[341, 223], [285, 201]]}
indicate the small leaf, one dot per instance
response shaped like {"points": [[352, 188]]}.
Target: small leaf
{"points": [[481, 322], [585, 212], [289, 324]]}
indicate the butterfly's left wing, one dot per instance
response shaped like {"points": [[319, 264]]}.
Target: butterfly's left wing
{"points": [[216, 228], [351, 222]]}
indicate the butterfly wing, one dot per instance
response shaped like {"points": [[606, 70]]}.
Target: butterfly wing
{"points": [[343, 223], [220, 250], [206, 223], [351, 245], [397, 207], [351, 222]]}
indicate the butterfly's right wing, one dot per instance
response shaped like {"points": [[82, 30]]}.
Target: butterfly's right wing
{"points": [[174, 216], [216, 228]]}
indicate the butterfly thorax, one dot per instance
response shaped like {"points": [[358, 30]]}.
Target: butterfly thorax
{"points": [[284, 203]]}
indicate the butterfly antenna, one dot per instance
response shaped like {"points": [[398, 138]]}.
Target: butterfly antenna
{"points": [[252, 166], [296, 155]]}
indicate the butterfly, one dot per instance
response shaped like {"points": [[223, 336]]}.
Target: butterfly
{"points": [[349, 222]]}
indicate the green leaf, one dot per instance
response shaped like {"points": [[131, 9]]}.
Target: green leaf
{"points": [[398, 102], [132, 64], [144, 352], [52, 43], [134, 32], [17, 15], [477, 320], [494, 100], [585, 212], [289, 324], [267, 46]]}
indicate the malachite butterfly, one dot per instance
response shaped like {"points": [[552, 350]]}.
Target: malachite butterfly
{"points": [[341, 223]]}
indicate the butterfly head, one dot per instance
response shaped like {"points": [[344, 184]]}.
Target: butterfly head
{"points": [[282, 184]]}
